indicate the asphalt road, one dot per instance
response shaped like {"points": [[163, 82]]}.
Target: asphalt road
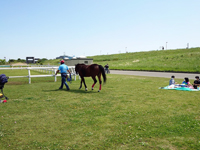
{"points": [[156, 74]]}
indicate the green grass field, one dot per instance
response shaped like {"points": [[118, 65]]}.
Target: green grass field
{"points": [[129, 113], [180, 60]]}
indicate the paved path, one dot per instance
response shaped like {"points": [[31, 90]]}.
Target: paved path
{"points": [[156, 74]]}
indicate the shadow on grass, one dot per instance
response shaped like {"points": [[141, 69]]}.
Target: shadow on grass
{"points": [[73, 91]]}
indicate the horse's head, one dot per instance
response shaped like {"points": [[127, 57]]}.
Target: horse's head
{"points": [[77, 68]]}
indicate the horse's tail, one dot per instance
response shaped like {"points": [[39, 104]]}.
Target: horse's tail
{"points": [[103, 73]]}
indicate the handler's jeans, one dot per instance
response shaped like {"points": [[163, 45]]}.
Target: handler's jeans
{"points": [[106, 70], [63, 81]]}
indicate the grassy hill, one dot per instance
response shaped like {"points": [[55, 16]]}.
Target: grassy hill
{"points": [[180, 60], [51, 62]]}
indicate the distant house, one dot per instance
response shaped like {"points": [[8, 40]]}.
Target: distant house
{"points": [[78, 60], [72, 60], [64, 57]]}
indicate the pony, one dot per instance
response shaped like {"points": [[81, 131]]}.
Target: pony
{"points": [[90, 71]]}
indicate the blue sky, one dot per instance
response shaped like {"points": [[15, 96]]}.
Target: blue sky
{"points": [[50, 28]]}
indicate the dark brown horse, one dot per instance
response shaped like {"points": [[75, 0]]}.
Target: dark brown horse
{"points": [[90, 71]]}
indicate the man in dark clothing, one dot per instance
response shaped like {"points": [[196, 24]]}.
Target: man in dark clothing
{"points": [[196, 82], [106, 68]]}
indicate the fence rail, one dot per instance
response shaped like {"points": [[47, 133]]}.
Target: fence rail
{"points": [[47, 69]]}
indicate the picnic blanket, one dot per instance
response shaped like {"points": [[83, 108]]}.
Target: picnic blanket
{"points": [[179, 87]]}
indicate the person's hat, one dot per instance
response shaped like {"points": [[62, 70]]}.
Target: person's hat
{"points": [[197, 77], [62, 61]]}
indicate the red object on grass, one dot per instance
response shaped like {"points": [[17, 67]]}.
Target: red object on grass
{"points": [[4, 101]]}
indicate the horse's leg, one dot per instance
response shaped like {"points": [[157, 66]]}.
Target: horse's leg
{"points": [[84, 83], [81, 84], [99, 77], [95, 81]]}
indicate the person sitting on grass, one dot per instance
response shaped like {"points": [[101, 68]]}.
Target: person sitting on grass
{"points": [[196, 82], [172, 81], [186, 82]]}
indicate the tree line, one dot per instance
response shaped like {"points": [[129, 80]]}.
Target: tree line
{"points": [[3, 61]]}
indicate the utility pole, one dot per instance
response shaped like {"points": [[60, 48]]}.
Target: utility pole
{"points": [[187, 45]]}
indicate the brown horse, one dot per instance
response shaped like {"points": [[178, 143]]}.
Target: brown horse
{"points": [[90, 71]]}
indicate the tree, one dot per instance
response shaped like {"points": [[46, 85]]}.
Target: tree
{"points": [[11, 60], [2, 61], [41, 61]]}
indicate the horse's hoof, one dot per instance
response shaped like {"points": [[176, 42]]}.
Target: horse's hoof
{"points": [[92, 88], [85, 89], [99, 90]]}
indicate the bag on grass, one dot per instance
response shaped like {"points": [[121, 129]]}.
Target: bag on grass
{"points": [[3, 79]]}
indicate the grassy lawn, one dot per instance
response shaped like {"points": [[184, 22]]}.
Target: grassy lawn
{"points": [[129, 113], [180, 60]]}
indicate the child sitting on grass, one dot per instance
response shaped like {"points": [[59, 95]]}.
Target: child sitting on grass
{"points": [[172, 81], [187, 83]]}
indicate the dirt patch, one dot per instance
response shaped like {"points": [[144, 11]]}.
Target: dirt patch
{"points": [[19, 64], [136, 60]]}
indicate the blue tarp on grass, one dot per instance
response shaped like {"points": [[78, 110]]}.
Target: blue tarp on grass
{"points": [[179, 88]]}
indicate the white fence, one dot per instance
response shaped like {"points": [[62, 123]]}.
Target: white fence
{"points": [[43, 69]]}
